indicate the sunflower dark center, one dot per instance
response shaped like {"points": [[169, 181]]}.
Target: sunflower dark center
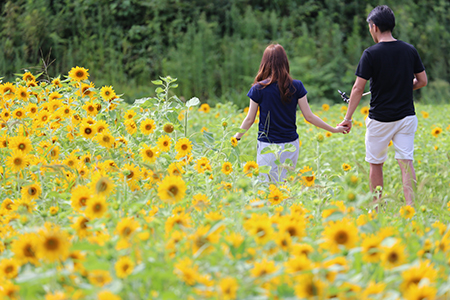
{"points": [[173, 190], [97, 207], [52, 244], [341, 237], [83, 201], [32, 191], [102, 186], [28, 251], [17, 161], [393, 257]]}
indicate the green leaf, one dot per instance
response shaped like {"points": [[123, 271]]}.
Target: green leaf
{"points": [[141, 101], [264, 169], [209, 137], [159, 90], [272, 148], [193, 102], [157, 82], [289, 148]]}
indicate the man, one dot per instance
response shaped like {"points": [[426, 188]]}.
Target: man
{"points": [[395, 70]]}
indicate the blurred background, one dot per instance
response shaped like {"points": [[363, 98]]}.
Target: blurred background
{"points": [[214, 47]]}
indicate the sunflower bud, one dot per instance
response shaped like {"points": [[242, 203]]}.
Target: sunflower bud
{"points": [[168, 128]]}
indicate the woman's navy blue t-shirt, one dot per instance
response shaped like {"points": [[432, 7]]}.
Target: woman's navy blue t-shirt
{"points": [[277, 120]]}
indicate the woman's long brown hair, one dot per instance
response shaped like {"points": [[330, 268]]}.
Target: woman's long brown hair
{"points": [[274, 67]]}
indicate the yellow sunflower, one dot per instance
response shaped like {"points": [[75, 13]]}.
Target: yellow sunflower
{"points": [[436, 131], [365, 110], [176, 168], [425, 115], [227, 168], [80, 197], [172, 189], [338, 234], [8, 91], [149, 154], [132, 172], [99, 277], [416, 292], [124, 267], [25, 248], [393, 256], [298, 264], [325, 107], [251, 168], [78, 74], [228, 288], [200, 202], [183, 147], [130, 126], [107, 295], [147, 126], [20, 143], [9, 268], [415, 274], [309, 286], [31, 192], [276, 196], [263, 268], [17, 161], [101, 184], [407, 211], [87, 130], [164, 143], [90, 108], [371, 249], [105, 139], [53, 243], [22, 93], [204, 108], [28, 77], [96, 207], [126, 227], [202, 165], [261, 229], [86, 90], [107, 93], [57, 82], [5, 115], [346, 167], [295, 227], [234, 141], [32, 109]]}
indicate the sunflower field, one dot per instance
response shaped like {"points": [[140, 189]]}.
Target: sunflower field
{"points": [[101, 199]]}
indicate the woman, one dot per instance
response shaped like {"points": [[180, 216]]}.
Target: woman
{"points": [[277, 95]]}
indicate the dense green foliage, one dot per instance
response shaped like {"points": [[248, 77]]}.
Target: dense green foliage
{"points": [[214, 47]]}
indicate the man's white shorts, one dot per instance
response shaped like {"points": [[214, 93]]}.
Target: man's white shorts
{"points": [[379, 134]]}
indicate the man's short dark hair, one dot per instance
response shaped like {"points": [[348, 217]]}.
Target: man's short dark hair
{"points": [[383, 17]]}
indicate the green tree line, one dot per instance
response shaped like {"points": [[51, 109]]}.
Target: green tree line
{"points": [[214, 47]]}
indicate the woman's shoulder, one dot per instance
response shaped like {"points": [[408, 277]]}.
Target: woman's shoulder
{"points": [[297, 82]]}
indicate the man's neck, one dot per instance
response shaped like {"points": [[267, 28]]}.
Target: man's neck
{"points": [[386, 37]]}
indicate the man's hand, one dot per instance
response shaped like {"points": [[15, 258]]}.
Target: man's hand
{"points": [[347, 124]]}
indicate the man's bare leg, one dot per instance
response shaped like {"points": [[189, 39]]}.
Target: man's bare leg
{"points": [[409, 179], [376, 179]]}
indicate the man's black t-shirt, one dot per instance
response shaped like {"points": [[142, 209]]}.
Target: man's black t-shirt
{"points": [[390, 66]]}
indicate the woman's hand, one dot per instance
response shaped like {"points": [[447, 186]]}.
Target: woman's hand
{"points": [[343, 129]]}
